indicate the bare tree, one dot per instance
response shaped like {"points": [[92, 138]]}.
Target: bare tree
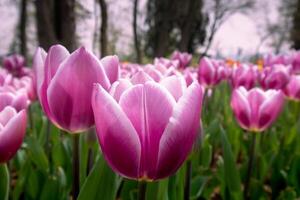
{"points": [[23, 21], [135, 32], [222, 10], [56, 23], [103, 29]]}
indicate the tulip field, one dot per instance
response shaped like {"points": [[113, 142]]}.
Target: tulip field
{"points": [[75, 126]]}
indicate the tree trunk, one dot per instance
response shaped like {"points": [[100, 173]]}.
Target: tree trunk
{"points": [[65, 23], [23, 21], [103, 29], [136, 37], [295, 33], [45, 31]]}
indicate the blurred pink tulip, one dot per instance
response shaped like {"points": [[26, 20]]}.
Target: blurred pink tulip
{"points": [[66, 87], [292, 89], [15, 64], [243, 76], [10, 97], [183, 58], [146, 130], [166, 62], [255, 110], [275, 77], [12, 132], [296, 63], [210, 73]]}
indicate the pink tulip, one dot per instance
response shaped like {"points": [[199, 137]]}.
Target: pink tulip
{"points": [[12, 132], [183, 58], [15, 64], [255, 110], [15, 98], [145, 133], [66, 87], [292, 89], [166, 62], [210, 73], [189, 75], [275, 77], [243, 76]]}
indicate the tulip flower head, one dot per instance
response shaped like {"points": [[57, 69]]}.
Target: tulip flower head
{"points": [[275, 77], [292, 89], [66, 87], [243, 76], [210, 72], [183, 58], [147, 129], [12, 132], [255, 110]]}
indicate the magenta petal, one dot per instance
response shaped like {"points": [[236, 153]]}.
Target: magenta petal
{"points": [[270, 109], [56, 55], [20, 102], [255, 97], [140, 78], [241, 107], [175, 85], [6, 114], [5, 100], [70, 90], [39, 67], [181, 132], [206, 71], [118, 139], [149, 108], [111, 67], [11, 136], [119, 87]]}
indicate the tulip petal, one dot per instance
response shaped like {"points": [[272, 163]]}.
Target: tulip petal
{"points": [[6, 99], [118, 139], [111, 67], [270, 109], [56, 55], [38, 67], [11, 136], [175, 85], [70, 90], [149, 108], [181, 132], [206, 71], [119, 87], [140, 78], [241, 107], [6, 114], [255, 97]]}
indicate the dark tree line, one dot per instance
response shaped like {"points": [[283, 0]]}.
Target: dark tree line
{"points": [[183, 25], [174, 24]]}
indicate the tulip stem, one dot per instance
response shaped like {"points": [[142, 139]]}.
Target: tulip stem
{"points": [[4, 185], [75, 166], [250, 165], [187, 185], [142, 190]]}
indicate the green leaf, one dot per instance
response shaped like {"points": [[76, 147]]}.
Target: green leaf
{"points": [[37, 154], [231, 175], [100, 184], [4, 182]]}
